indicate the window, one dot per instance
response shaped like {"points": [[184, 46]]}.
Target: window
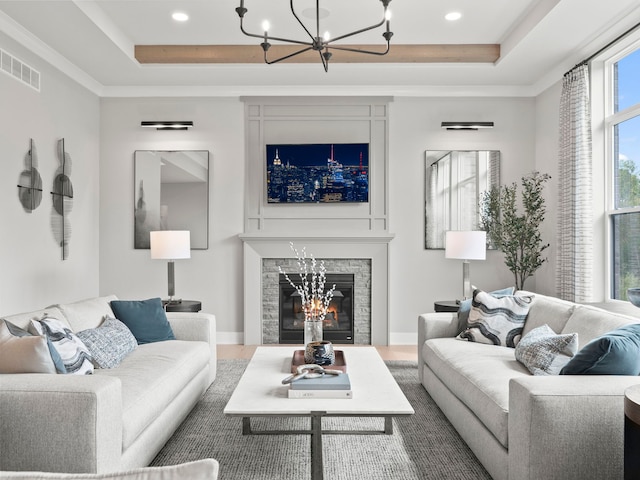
{"points": [[622, 128]]}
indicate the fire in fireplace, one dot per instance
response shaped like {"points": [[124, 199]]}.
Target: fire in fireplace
{"points": [[338, 323]]}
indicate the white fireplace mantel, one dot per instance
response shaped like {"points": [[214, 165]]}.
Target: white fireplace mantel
{"points": [[370, 246], [342, 230]]}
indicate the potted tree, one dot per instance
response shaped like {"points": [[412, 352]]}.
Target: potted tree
{"points": [[517, 234]]}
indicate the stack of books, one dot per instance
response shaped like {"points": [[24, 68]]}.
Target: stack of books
{"points": [[326, 386]]}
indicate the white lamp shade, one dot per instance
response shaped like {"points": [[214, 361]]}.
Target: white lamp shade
{"points": [[466, 245], [170, 244]]}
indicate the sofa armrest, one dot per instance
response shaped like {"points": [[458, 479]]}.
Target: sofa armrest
{"points": [[569, 427], [434, 325], [196, 327], [60, 423]]}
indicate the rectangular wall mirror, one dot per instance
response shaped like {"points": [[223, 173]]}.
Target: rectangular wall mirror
{"points": [[454, 183], [172, 193]]}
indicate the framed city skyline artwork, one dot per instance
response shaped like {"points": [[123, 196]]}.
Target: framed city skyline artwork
{"points": [[317, 173]]}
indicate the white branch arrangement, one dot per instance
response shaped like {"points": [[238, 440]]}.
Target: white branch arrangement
{"points": [[315, 301]]}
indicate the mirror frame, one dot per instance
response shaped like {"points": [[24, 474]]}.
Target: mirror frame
{"points": [[186, 167], [445, 217]]}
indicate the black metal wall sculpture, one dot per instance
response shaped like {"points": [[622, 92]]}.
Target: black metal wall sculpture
{"points": [[62, 196], [30, 181]]}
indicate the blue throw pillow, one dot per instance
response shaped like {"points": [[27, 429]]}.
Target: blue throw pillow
{"points": [[145, 318], [465, 307], [614, 353]]}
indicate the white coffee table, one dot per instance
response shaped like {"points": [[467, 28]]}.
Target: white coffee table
{"points": [[260, 393]]}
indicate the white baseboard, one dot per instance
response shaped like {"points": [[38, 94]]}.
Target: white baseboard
{"points": [[230, 338], [398, 338], [402, 338]]}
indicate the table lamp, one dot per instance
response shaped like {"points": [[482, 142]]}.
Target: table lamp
{"points": [[466, 245], [170, 245]]}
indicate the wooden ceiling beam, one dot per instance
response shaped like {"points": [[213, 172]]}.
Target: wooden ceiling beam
{"points": [[431, 53]]}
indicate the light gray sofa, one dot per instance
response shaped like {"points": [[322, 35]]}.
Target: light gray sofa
{"points": [[525, 427], [115, 419]]}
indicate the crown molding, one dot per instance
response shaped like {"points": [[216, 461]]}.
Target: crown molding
{"points": [[320, 90], [32, 43]]}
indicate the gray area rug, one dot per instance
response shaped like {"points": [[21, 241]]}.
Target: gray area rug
{"points": [[423, 446]]}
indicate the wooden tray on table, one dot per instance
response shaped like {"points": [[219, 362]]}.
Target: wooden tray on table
{"points": [[298, 359]]}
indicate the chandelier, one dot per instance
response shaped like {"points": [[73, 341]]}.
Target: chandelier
{"points": [[320, 44]]}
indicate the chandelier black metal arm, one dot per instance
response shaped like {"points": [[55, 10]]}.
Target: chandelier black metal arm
{"points": [[317, 42]]}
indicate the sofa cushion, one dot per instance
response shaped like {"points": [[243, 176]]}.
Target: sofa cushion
{"points": [[87, 313], [496, 320], [465, 307], [478, 375], [23, 320], [21, 353], [152, 376], [145, 318], [75, 356], [547, 311], [590, 322], [109, 343], [615, 353], [545, 352]]}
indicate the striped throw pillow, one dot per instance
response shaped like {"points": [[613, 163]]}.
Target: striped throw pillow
{"points": [[496, 321]]}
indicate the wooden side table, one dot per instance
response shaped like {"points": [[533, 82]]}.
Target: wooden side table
{"points": [[446, 306], [182, 306], [632, 433]]}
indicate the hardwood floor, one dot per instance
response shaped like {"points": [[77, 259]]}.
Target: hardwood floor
{"points": [[391, 352]]}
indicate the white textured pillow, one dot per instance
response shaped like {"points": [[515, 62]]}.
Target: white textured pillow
{"points": [[24, 354], [109, 343], [73, 352], [496, 320], [544, 352]]}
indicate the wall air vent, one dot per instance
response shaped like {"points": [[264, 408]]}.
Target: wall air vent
{"points": [[19, 70]]}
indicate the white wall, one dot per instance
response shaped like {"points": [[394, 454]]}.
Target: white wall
{"points": [[33, 272], [547, 141], [418, 276], [213, 276]]}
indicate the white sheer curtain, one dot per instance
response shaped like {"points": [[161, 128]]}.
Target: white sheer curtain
{"points": [[438, 206], [575, 216]]}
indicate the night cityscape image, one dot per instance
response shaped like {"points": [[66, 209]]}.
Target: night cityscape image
{"points": [[318, 173]]}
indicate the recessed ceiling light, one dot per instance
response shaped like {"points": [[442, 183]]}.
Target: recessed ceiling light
{"points": [[453, 16], [180, 17]]}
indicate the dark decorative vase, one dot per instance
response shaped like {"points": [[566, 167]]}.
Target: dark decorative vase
{"points": [[319, 353]]}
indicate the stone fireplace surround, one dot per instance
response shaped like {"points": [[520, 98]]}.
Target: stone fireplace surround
{"points": [[372, 247], [359, 267]]}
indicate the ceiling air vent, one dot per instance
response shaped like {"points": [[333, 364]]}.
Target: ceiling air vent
{"points": [[19, 70]]}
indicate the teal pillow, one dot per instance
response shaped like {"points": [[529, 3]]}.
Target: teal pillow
{"points": [[145, 318], [614, 353], [465, 307]]}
